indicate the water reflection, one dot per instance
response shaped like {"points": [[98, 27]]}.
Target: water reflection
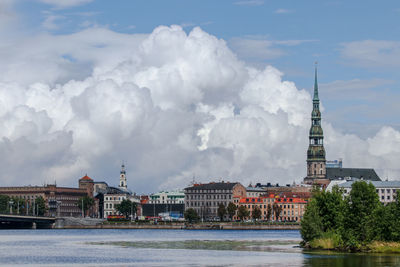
{"points": [[169, 247], [350, 260]]}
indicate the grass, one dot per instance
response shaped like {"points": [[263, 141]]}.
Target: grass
{"points": [[331, 243], [323, 243], [384, 247]]}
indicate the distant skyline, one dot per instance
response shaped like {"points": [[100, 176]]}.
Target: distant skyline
{"points": [[221, 90]]}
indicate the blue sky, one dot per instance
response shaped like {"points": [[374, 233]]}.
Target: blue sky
{"points": [[86, 84], [289, 35]]}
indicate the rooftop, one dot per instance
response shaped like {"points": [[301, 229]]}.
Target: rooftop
{"points": [[377, 184], [366, 174], [214, 186], [86, 178]]}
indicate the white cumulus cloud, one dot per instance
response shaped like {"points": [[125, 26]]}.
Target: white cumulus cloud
{"points": [[170, 104]]}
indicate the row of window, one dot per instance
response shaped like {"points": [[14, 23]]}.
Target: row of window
{"points": [[293, 206], [206, 204], [209, 196], [167, 201], [114, 198], [209, 191], [382, 191], [387, 191], [109, 205]]}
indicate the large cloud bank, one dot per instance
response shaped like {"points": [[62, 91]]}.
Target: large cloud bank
{"points": [[171, 105]]}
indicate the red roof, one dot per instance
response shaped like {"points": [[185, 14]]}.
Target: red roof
{"points": [[86, 178]]}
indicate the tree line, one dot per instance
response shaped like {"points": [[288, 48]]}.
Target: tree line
{"points": [[350, 222], [241, 212], [17, 205]]}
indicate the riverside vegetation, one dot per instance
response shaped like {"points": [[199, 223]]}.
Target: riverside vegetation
{"points": [[357, 222]]}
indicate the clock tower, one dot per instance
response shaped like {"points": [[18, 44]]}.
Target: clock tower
{"points": [[122, 177]]}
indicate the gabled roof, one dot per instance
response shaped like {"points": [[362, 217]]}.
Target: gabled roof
{"points": [[366, 174], [213, 186]]}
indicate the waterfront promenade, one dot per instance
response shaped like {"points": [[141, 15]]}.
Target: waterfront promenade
{"points": [[76, 223]]}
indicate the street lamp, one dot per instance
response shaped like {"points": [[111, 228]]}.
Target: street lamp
{"points": [[131, 211], [58, 208], [83, 213], [11, 204]]}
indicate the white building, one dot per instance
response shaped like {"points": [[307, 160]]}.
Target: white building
{"points": [[386, 190], [255, 191], [165, 197], [115, 195]]}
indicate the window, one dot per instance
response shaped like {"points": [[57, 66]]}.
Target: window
{"points": [[383, 197], [388, 197]]}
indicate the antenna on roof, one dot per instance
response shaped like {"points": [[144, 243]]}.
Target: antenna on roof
{"points": [[193, 179]]}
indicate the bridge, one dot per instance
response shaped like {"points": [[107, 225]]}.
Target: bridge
{"points": [[10, 221]]}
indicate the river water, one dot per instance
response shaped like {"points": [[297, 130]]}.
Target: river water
{"points": [[169, 248]]}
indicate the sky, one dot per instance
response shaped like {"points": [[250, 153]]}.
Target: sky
{"points": [[204, 90]]}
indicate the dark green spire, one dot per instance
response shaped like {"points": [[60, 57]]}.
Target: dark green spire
{"points": [[316, 84]]}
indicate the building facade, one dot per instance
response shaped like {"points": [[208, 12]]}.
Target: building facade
{"points": [[205, 198], [291, 206], [115, 195], [254, 191], [165, 197], [59, 201], [337, 163]]}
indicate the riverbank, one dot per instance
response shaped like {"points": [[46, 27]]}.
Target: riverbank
{"points": [[180, 226], [372, 247]]}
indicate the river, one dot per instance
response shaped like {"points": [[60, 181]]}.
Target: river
{"points": [[170, 248]]}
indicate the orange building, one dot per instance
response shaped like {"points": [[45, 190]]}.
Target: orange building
{"points": [[292, 207], [283, 207]]}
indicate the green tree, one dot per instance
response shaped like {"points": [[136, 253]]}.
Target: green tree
{"points": [[191, 215], [277, 211], [269, 212], [221, 211], [330, 207], [385, 222], [256, 214], [87, 203], [40, 206], [19, 205], [126, 208], [4, 208], [311, 224], [231, 210], [243, 213], [360, 208]]}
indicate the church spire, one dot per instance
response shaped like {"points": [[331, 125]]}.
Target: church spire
{"points": [[316, 84], [316, 167]]}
